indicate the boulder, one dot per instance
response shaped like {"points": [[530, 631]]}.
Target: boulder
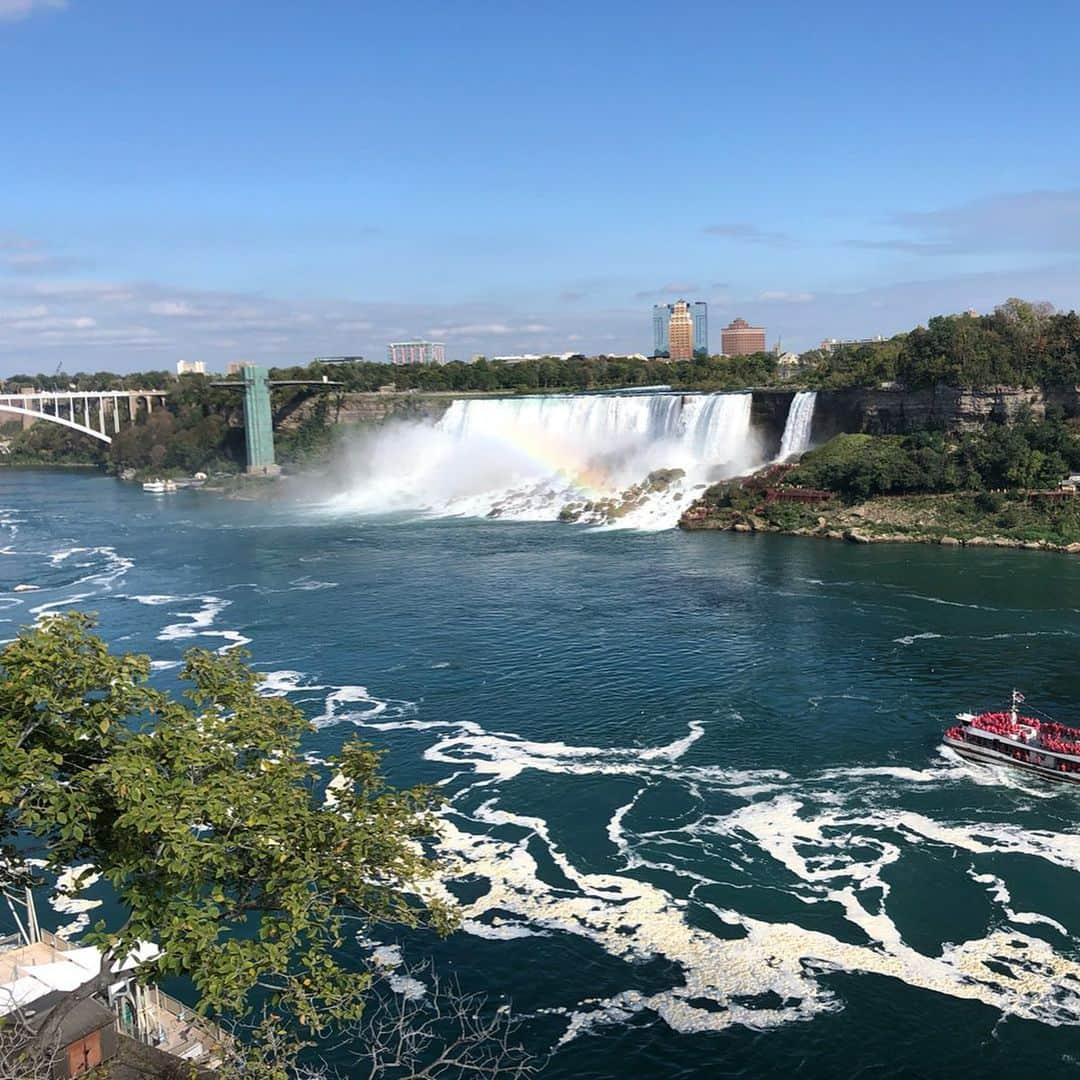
{"points": [[949, 541]]}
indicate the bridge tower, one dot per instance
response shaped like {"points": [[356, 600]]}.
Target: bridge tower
{"points": [[258, 422]]}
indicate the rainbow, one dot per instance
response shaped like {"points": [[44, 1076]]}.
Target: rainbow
{"points": [[554, 457]]}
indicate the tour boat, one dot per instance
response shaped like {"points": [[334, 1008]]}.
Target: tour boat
{"points": [[159, 485], [1043, 747]]}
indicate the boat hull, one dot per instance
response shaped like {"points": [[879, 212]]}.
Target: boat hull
{"points": [[991, 757]]}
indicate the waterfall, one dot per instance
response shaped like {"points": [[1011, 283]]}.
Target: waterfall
{"points": [[527, 458], [800, 422]]}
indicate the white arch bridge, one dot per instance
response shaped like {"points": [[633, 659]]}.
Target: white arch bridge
{"points": [[93, 412]]}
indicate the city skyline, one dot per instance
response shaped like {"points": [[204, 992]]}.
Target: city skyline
{"points": [[216, 213]]}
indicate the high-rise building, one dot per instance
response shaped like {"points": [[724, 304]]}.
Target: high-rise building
{"points": [[739, 338], [190, 367], [664, 316], [681, 332], [416, 352], [699, 311], [661, 318]]}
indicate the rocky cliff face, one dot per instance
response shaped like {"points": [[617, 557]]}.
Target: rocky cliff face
{"points": [[372, 408], [897, 412]]}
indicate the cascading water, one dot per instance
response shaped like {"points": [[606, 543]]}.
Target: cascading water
{"points": [[800, 422], [528, 458]]}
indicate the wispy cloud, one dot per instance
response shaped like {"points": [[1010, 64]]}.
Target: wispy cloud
{"points": [[672, 288], [25, 256], [1025, 221], [172, 308], [13, 10], [743, 233], [92, 325], [779, 296]]}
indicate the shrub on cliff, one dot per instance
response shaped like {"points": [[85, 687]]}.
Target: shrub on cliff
{"points": [[1024, 456]]}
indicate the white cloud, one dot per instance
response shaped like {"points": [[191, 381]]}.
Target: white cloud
{"points": [[474, 329], [13, 10], [781, 297], [172, 308], [744, 233]]}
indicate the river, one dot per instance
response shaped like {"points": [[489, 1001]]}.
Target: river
{"points": [[696, 778]]}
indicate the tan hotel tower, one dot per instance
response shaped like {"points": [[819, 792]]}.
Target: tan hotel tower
{"points": [[681, 332]]}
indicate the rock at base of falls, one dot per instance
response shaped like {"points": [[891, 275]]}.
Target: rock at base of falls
{"points": [[610, 509]]}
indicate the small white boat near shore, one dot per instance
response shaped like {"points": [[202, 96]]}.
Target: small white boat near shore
{"points": [[159, 486]]}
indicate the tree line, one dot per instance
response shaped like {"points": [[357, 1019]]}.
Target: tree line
{"points": [[548, 373], [1018, 344]]}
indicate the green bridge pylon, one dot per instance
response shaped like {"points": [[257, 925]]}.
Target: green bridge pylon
{"points": [[258, 422]]}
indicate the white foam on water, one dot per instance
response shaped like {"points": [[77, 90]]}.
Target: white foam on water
{"points": [[198, 623], [502, 756], [833, 854], [287, 681], [389, 960], [115, 564], [310, 585], [1000, 892], [67, 901], [910, 639], [69, 602], [635, 921], [338, 707]]}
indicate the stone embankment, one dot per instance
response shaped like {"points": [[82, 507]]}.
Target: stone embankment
{"points": [[929, 519]]}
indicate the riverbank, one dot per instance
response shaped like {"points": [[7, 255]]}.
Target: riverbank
{"points": [[981, 519]]}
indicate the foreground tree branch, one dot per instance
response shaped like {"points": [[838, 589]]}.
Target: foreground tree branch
{"points": [[206, 819]]}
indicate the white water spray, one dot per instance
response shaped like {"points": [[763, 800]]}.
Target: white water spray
{"points": [[527, 458], [800, 422]]}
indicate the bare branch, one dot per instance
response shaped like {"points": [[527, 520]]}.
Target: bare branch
{"points": [[441, 1032]]}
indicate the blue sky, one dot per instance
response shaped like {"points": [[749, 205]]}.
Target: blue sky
{"points": [[225, 179]]}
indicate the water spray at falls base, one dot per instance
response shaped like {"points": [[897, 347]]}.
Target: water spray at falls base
{"points": [[612, 459]]}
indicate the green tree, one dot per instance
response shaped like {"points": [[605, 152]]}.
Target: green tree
{"points": [[222, 842]]}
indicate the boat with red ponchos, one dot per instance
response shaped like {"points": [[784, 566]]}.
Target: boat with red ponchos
{"points": [[1043, 747]]}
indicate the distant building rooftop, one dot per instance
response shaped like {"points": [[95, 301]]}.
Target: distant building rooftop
{"points": [[829, 344]]}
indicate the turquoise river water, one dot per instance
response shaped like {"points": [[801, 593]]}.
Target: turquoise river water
{"points": [[704, 821]]}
